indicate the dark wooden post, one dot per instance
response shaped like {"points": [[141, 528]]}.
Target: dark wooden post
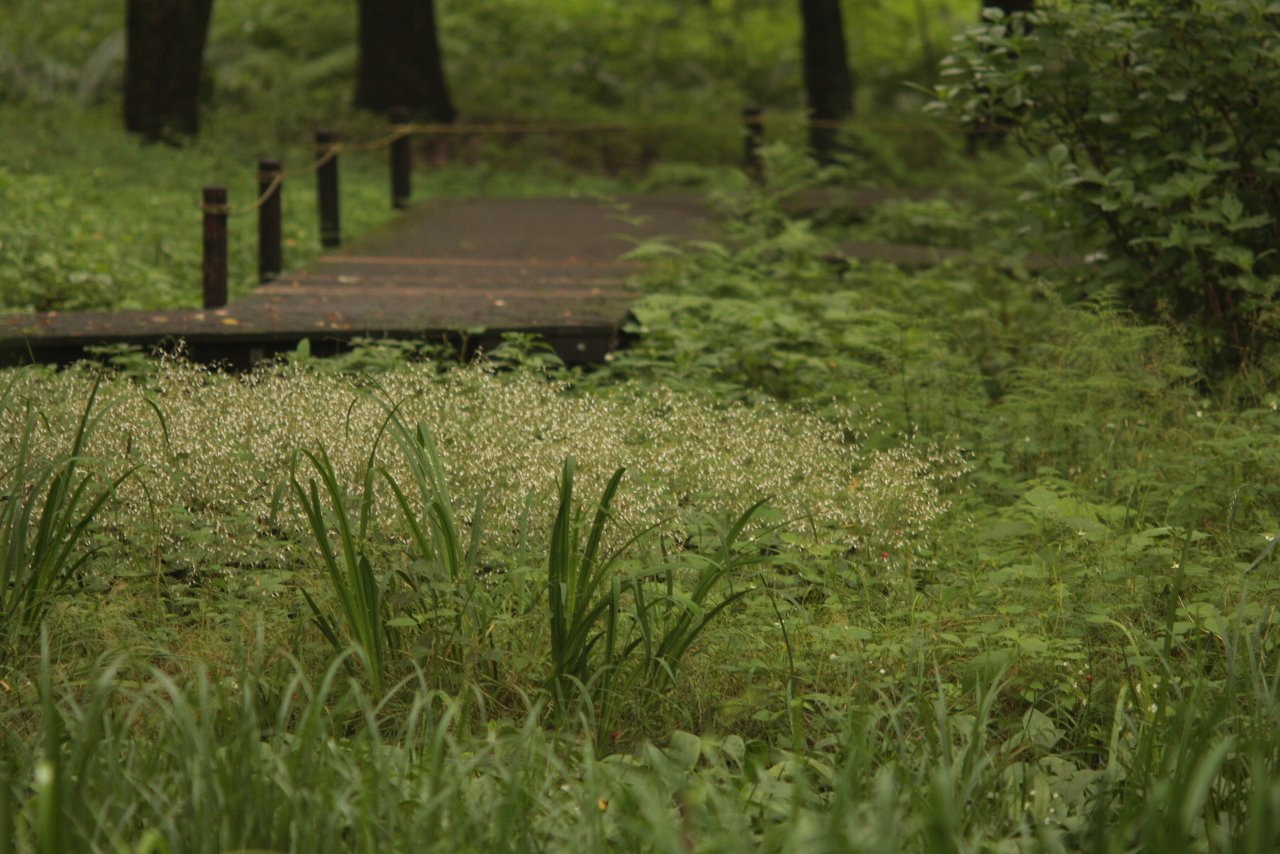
{"points": [[270, 254], [753, 121], [401, 163], [327, 189], [215, 247]]}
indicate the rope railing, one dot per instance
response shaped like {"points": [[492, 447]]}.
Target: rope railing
{"points": [[275, 184], [753, 125], [228, 211]]}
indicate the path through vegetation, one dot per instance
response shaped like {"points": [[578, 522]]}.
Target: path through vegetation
{"points": [[549, 267]]}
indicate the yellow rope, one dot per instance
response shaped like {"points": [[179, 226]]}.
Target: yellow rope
{"points": [[262, 199], [330, 152], [382, 142]]}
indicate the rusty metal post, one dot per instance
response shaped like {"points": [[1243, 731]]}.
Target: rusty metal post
{"points": [[327, 189], [270, 252], [401, 163], [215, 247], [753, 122]]}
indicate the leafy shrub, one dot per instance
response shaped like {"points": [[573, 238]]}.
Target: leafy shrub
{"points": [[1158, 122]]}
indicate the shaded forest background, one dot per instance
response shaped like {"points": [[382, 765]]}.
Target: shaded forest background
{"points": [[567, 59]]}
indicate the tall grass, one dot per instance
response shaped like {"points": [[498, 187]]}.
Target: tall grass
{"points": [[612, 631], [439, 540], [619, 637], [434, 531], [575, 574], [46, 510], [262, 756], [352, 579]]}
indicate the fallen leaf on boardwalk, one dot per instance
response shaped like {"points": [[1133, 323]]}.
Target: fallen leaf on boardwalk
{"points": [[230, 321]]}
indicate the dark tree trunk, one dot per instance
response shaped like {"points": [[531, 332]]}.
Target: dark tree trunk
{"points": [[1009, 6], [828, 82], [400, 63], [164, 58]]}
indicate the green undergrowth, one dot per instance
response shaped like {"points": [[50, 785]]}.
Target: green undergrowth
{"points": [[97, 220], [923, 561], [833, 556], [1050, 661]]}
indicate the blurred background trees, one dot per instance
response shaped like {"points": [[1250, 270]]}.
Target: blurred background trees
{"points": [[828, 82], [289, 63], [164, 47], [399, 63]]}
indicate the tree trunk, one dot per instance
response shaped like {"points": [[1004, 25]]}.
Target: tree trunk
{"points": [[164, 58], [400, 62], [1009, 6], [828, 82]]}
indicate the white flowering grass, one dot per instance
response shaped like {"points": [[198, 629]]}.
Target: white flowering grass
{"points": [[214, 454]]}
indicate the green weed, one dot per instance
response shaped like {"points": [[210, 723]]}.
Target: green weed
{"points": [[359, 590], [46, 513], [575, 574]]}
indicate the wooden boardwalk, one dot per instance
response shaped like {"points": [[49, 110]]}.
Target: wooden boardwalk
{"points": [[464, 271]]}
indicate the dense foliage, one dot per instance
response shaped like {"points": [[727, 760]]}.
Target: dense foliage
{"points": [[1159, 124], [1059, 641], [834, 556]]}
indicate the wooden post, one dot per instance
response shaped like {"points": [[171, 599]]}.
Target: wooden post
{"points": [[753, 121], [270, 253], [327, 190], [401, 163], [215, 247]]}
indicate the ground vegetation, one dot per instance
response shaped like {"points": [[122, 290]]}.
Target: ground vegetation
{"points": [[834, 556]]}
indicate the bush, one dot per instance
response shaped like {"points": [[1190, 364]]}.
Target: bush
{"points": [[1158, 121]]}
